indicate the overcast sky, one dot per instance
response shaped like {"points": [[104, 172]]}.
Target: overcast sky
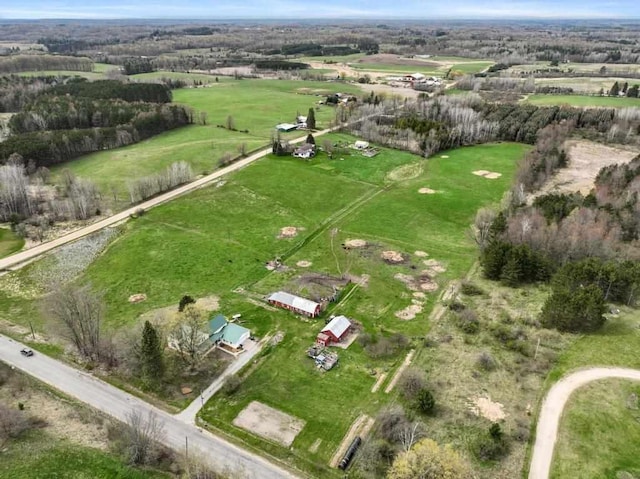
{"points": [[302, 9]]}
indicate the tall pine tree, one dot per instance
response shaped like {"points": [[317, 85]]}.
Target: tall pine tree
{"points": [[151, 354], [311, 119]]}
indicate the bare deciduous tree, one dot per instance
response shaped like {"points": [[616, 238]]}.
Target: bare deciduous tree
{"points": [[143, 435], [188, 336], [481, 228], [12, 423], [14, 186], [80, 311], [409, 434]]}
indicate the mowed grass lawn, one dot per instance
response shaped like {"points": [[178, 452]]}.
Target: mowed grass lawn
{"points": [[600, 432], [583, 100], [255, 105], [38, 456]]}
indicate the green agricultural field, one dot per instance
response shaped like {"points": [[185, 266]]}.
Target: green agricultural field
{"points": [[335, 58], [583, 100], [94, 75], [600, 432], [37, 456], [255, 105], [471, 67], [383, 67], [216, 241], [201, 77]]}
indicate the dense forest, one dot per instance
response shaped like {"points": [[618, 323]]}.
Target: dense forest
{"points": [[22, 63], [68, 120]]}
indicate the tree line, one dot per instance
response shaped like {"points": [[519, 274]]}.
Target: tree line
{"points": [[23, 63]]}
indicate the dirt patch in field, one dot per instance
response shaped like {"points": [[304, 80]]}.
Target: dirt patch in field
{"points": [[392, 257], [396, 377], [419, 295], [421, 254], [409, 281], [269, 423], [426, 191], [304, 264], [485, 407], [391, 59], [207, 303], [435, 267], [405, 172], [409, 313], [428, 285], [314, 447], [289, 232], [586, 158], [379, 381], [355, 243], [444, 156], [137, 298], [490, 175]]}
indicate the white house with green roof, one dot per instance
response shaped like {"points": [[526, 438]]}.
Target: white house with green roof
{"points": [[224, 334]]}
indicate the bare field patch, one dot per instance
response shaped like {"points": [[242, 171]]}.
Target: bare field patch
{"points": [[426, 191], [289, 232], [393, 257], [405, 172], [488, 409], [207, 303], [391, 59], [586, 158], [490, 175], [355, 243], [303, 264], [267, 422]]}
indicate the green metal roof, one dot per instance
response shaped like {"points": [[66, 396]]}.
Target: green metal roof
{"points": [[216, 323], [232, 333]]}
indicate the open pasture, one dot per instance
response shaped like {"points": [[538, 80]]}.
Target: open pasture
{"points": [[583, 101]]}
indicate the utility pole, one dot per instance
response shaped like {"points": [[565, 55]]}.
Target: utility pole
{"points": [[186, 448]]}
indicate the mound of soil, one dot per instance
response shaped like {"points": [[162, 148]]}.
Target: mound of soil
{"points": [[356, 243], [392, 257], [428, 285], [493, 176], [288, 232], [434, 266], [409, 312], [490, 175], [485, 407], [409, 281], [426, 191], [137, 298], [480, 172], [303, 264], [421, 254]]}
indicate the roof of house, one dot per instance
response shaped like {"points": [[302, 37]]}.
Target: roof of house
{"points": [[306, 147], [217, 323], [294, 301], [417, 76], [322, 336], [337, 326], [286, 126], [233, 333]]}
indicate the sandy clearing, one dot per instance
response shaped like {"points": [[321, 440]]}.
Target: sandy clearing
{"points": [[551, 411], [490, 175], [421, 254], [355, 243], [409, 313], [391, 256], [137, 298], [483, 406], [288, 232], [480, 172], [405, 364], [586, 159], [304, 264], [267, 422], [426, 191], [360, 427]]}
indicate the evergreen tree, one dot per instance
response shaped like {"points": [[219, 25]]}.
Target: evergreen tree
{"points": [[615, 90], [151, 354], [310, 139], [578, 310], [632, 92], [311, 119], [426, 402], [494, 258], [511, 274], [186, 299]]}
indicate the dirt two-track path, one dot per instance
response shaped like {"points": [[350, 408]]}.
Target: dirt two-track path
{"points": [[15, 261], [551, 412]]}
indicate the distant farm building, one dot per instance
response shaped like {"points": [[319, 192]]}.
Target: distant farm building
{"points": [[295, 303], [336, 330], [301, 122], [361, 145], [306, 151], [417, 77], [286, 127]]}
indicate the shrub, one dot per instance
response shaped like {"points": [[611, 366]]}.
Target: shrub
{"points": [[426, 402], [411, 383], [390, 421], [492, 445], [486, 362], [231, 385], [184, 301], [467, 321], [470, 289]]}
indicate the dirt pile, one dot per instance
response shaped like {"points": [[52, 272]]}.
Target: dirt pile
{"points": [[288, 232], [426, 191], [392, 257], [355, 243], [490, 175], [303, 264], [137, 298], [485, 407]]}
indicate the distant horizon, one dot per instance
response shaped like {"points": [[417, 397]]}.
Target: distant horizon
{"points": [[329, 10]]}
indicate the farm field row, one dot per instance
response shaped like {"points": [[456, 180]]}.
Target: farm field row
{"points": [[583, 101]]}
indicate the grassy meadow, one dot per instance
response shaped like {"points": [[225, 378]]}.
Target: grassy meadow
{"points": [[255, 105], [38, 456], [9, 242], [600, 432], [583, 100], [217, 240]]}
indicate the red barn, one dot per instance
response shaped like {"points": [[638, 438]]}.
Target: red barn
{"points": [[334, 331], [295, 303]]}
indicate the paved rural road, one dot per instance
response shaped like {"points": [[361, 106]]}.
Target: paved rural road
{"points": [[119, 404], [17, 259], [549, 419], [189, 413]]}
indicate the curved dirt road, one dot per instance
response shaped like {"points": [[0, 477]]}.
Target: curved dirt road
{"points": [[549, 419], [13, 261]]}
